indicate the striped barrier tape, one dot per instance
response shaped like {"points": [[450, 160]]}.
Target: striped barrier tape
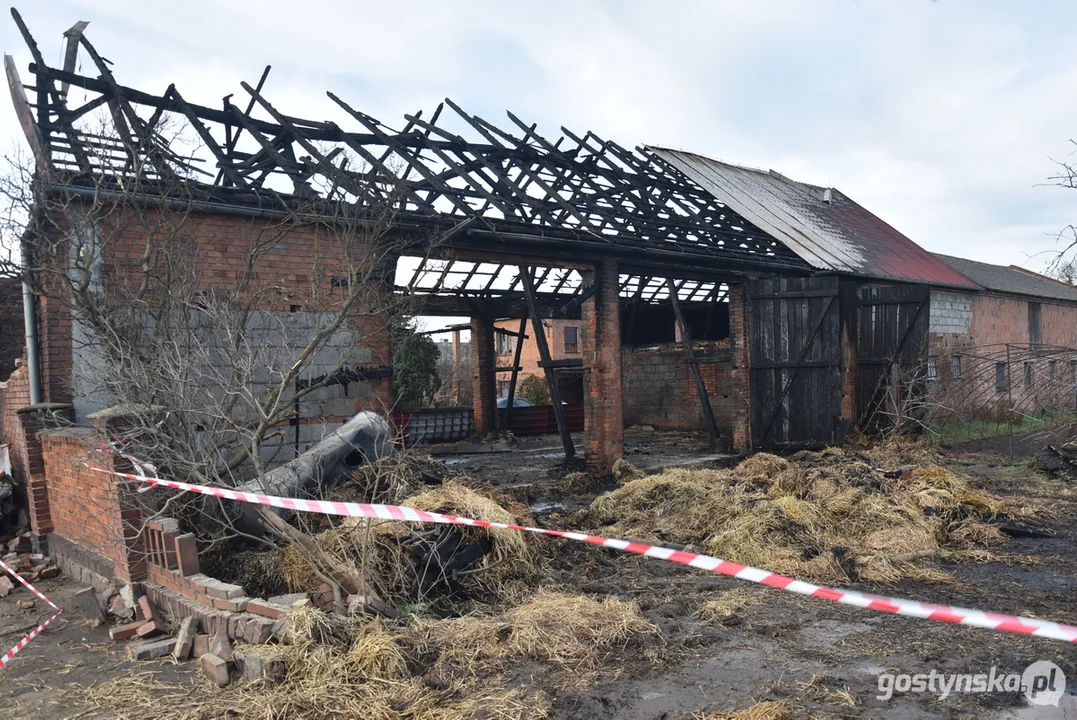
{"points": [[6, 657], [896, 606]]}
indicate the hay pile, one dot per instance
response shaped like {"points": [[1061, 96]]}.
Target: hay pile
{"points": [[828, 517], [395, 557]]}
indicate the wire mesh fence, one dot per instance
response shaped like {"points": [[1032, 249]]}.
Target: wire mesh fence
{"points": [[967, 393]]}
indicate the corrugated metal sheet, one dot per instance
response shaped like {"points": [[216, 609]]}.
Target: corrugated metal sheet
{"points": [[823, 226]]}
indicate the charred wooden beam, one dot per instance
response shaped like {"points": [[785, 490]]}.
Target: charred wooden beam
{"points": [[693, 366], [544, 353]]}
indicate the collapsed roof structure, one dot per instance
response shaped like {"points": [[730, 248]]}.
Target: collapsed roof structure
{"points": [[502, 222]]}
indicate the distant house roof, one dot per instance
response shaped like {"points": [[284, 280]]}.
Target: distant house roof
{"points": [[1012, 279], [823, 226]]}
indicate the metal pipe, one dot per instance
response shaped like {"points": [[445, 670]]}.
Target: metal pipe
{"points": [[29, 314]]}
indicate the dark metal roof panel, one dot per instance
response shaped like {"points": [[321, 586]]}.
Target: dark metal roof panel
{"points": [[1012, 279], [822, 225]]}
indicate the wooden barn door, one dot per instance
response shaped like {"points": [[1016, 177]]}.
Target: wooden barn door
{"points": [[891, 351], [795, 337]]}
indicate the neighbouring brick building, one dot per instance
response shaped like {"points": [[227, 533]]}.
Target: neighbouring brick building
{"points": [[1008, 346]]}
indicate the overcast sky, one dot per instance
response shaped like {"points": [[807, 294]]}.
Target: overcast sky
{"points": [[940, 117]]}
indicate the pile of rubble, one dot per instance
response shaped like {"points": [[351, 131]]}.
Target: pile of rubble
{"points": [[32, 566], [153, 637]]}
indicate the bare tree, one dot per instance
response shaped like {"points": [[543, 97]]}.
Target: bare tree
{"points": [[212, 334]]}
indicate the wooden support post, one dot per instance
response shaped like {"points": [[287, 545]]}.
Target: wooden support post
{"points": [[544, 354], [515, 372], [701, 388]]}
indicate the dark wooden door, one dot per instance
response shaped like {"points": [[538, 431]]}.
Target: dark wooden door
{"points": [[891, 351], [795, 338]]}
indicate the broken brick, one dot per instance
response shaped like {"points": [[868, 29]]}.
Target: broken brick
{"points": [[216, 669], [125, 632]]}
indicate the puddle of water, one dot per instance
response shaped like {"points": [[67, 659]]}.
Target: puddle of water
{"points": [[546, 506]]}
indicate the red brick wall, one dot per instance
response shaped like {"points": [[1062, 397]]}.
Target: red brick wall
{"points": [[12, 328], [94, 510], [15, 395]]}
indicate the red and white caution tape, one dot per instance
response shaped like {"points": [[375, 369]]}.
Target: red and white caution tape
{"points": [[897, 606], [6, 657]]}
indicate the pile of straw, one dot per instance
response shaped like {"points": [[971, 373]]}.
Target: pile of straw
{"points": [[828, 517]]}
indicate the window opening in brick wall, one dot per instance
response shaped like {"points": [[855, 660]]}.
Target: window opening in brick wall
{"points": [[502, 388], [955, 366], [505, 343], [572, 340], [1002, 376], [1035, 326], [932, 370], [1051, 370], [1028, 374]]}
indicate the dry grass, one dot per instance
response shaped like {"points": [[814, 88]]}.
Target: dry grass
{"points": [[343, 666], [831, 517]]}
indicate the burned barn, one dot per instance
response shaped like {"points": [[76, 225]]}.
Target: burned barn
{"points": [[767, 312]]}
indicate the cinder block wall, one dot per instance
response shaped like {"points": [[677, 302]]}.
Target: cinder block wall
{"points": [[222, 242], [659, 389]]}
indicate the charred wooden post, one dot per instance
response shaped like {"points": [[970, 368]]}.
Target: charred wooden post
{"points": [[520, 337], [547, 362], [693, 365]]}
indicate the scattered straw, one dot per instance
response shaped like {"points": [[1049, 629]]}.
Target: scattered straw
{"points": [[766, 710]]}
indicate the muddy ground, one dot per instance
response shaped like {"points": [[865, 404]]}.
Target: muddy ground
{"points": [[817, 657]]}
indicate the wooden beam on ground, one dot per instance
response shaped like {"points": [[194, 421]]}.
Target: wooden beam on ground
{"points": [[544, 354], [693, 366]]}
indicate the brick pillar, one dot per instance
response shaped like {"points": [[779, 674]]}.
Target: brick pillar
{"points": [[603, 412], [33, 420], [483, 391], [739, 375]]}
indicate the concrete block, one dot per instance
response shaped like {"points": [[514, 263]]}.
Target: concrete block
{"points": [[216, 669], [221, 646], [251, 665], [89, 605], [151, 650]]}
